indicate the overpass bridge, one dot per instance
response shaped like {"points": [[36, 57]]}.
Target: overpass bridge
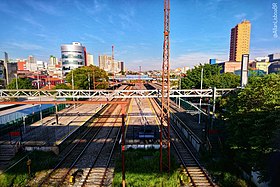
{"points": [[111, 94]]}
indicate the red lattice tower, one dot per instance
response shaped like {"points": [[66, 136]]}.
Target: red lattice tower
{"points": [[165, 89]]}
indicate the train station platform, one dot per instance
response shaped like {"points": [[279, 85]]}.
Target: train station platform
{"points": [[46, 135], [142, 125]]}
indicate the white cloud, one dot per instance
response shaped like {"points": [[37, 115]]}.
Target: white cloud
{"points": [[195, 58], [91, 9], [25, 46], [43, 6], [146, 64], [240, 16], [29, 19], [96, 38], [257, 52]]}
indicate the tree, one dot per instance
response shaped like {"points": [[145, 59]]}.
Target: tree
{"points": [[23, 83], [84, 76], [253, 122], [211, 78], [62, 86]]}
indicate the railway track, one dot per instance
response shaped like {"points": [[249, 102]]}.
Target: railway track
{"points": [[74, 111], [196, 173], [96, 174], [28, 136], [87, 163], [48, 122]]}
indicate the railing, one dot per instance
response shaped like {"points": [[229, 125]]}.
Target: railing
{"points": [[109, 94], [209, 144], [188, 133]]}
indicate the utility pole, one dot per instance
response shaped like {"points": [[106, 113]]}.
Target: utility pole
{"points": [[139, 77], [73, 87], [49, 82], [16, 81], [72, 80], [179, 102], [93, 79], [165, 91], [88, 81], [38, 84], [112, 64], [201, 82]]}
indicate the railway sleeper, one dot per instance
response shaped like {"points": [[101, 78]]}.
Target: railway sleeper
{"points": [[200, 178], [194, 169], [203, 184], [196, 173]]}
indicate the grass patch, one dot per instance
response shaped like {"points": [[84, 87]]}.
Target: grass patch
{"points": [[224, 172], [18, 175], [142, 169]]}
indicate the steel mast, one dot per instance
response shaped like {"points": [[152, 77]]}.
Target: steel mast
{"points": [[165, 103]]}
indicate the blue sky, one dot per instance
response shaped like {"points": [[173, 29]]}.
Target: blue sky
{"points": [[200, 29]]}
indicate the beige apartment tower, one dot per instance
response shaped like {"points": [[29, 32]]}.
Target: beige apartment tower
{"points": [[240, 41]]}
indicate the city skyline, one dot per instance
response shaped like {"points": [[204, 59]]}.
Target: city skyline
{"points": [[199, 30]]}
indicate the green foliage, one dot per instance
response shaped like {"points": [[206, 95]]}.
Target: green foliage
{"points": [[253, 121], [82, 76], [142, 169], [23, 83], [229, 180], [224, 172], [211, 78], [62, 86], [18, 175]]}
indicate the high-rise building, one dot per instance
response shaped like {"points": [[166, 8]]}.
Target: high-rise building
{"points": [[240, 41], [121, 66], [31, 64], [104, 61], [90, 59], [274, 57], [2, 72], [112, 66], [72, 56], [274, 67], [22, 65], [41, 65], [53, 60]]}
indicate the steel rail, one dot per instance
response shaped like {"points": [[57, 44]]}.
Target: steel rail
{"points": [[45, 180], [99, 153], [71, 151], [85, 181], [189, 151], [110, 156], [194, 158]]}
